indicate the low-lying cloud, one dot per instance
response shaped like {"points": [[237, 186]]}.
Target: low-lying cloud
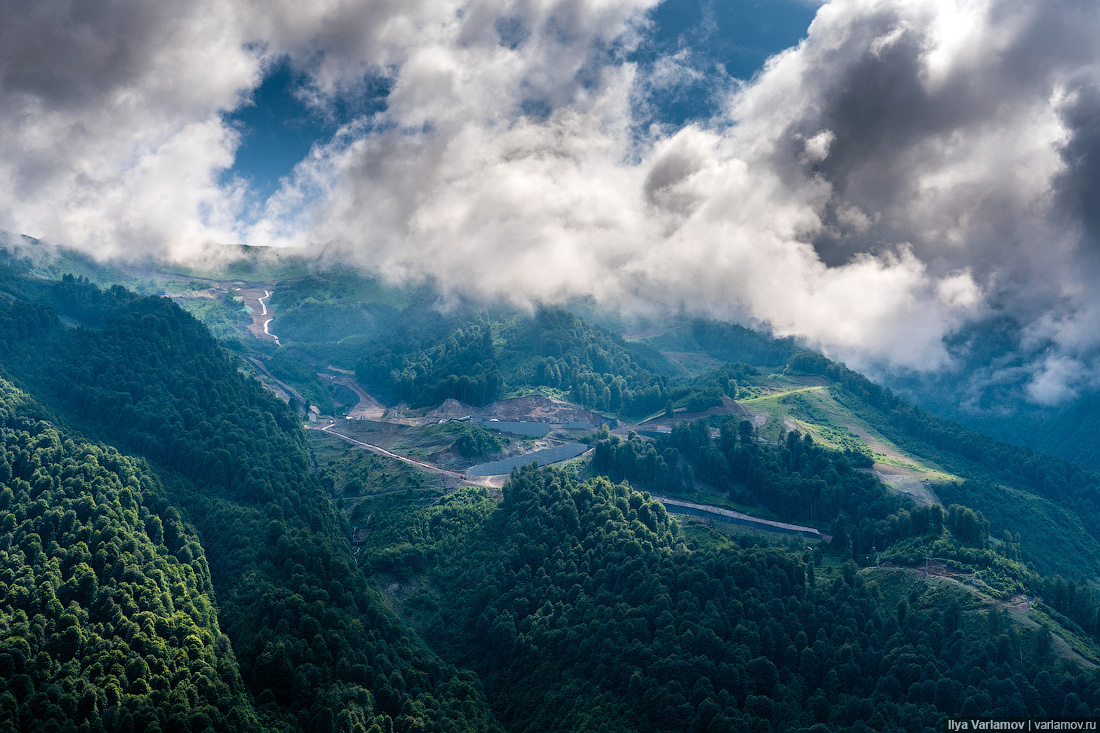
{"points": [[911, 167]]}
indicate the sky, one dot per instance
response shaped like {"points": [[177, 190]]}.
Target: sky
{"points": [[871, 176], [727, 40]]}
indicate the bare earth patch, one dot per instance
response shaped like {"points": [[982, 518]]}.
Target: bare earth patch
{"points": [[728, 407], [261, 312], [874, 443], [368, 408], [907, 481], [532, 409]]}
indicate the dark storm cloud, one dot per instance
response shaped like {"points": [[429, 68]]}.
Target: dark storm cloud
{"points": [[1078, 187], [67, 54], [894, 119], [966, 132], [911, 167]]}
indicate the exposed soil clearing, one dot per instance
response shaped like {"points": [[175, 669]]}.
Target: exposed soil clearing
{"points": [[254, 298], [1016, 606], [907, 481], [677, 506], [535, 408], [728, 407], [486, 481], [517, 409], [367, 408], [280, 388], [875, 444]]}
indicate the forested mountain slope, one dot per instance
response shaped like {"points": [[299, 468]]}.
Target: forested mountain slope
{"points": [[405, 346], [565, 605], [426, 357], [583, 605], [314, 640], [107, 610], [1019, 489]]}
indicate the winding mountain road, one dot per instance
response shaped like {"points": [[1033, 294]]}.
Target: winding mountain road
{"points": [[254, 298], [267, 323], [488, 481]]}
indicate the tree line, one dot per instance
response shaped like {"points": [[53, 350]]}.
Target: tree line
{"points": [[316, 646], [585, 604]]}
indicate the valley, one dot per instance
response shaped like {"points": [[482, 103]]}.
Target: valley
{"points": [[785, 404], [774, 532], [579, 366], [774, 400]]}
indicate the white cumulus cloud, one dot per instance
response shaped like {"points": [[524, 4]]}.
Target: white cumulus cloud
{"points": [[910, 166]]}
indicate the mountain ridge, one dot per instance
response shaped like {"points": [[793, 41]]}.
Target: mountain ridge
{"points": [[555, 585]]}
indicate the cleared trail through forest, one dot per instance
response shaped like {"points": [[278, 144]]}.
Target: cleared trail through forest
{"points": [[367, 408], [278, 382], [679, 506], [489, 481]]}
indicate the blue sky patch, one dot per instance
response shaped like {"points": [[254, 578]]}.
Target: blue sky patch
{"points": [[723, 39]]}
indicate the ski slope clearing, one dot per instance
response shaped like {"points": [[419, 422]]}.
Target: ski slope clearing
{"points": [[814, 410]]}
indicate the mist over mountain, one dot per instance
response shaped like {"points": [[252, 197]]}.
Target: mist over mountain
{"points": [[526, 365], [246, 532], [905, 172]]}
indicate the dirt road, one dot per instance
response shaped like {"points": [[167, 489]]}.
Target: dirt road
{"points": [[287, 390], [494, 482], [367, 408], [261, 316], [732, 517]]}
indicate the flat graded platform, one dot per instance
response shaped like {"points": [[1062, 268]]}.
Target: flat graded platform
{"points": [[679, 506]]}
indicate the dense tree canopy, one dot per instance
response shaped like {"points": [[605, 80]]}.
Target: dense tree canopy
{"points": [[583, 605], [427, 357], [209, 581], [314, 640], [107, 613]]}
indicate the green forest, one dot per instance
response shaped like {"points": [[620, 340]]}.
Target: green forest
{"points": [[177, 554], [109, 612], [584, 606], [425, 358], [315, 645]]}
